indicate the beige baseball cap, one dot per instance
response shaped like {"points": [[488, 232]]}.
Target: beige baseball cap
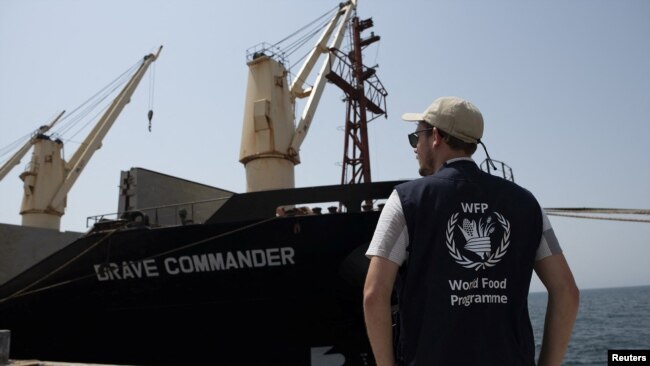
{"points": [[454, 116]]}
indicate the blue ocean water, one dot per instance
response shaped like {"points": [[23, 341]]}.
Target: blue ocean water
{"points": [[614, 318]]}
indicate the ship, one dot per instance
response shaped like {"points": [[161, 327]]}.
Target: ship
{"points": [[192, 274]]}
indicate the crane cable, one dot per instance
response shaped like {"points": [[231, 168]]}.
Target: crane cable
{"points": [[72, 119], [9, 148], [317, 25], [299, 60], [300, 42], [304, 39], [305, 26], [152, 81]]}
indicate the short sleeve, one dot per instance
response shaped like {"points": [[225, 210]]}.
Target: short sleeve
{"points": [[391, 237], [548, 244]]}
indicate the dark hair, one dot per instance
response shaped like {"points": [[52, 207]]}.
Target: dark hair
{"points": [[456, 143]]}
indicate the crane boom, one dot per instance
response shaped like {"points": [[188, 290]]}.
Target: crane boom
{"points": [[94, 140], [310, 108], [15, 159], [314, 55]]}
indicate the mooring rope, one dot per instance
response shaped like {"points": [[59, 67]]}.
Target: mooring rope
{"points": [[587, 213], [598, 217], [24, 291]]}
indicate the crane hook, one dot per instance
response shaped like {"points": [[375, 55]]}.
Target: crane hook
{"points": [[150, 116]]}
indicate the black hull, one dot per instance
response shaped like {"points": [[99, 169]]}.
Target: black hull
{"points": [[275, 291]]}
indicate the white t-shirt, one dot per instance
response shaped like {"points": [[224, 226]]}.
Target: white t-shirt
{"points": [[391, 235]]}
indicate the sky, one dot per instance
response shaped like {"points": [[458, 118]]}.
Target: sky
{"points": [[564, 88]]}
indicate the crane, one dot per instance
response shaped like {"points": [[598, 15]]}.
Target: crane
{"points": [[270, 143], [15, 159], [48, 178]]}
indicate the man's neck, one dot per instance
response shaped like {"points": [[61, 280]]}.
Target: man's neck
{"points": [[450, 155], [455, 154], [463, 158]]}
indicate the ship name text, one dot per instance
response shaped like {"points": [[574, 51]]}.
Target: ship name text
{"points": [[187, 264]]}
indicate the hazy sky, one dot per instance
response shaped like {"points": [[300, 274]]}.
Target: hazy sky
{"points": [[564, 87]]}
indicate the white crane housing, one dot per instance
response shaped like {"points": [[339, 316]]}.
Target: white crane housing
{"points": [[270, 141]]}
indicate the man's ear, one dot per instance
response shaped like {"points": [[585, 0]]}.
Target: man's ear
{"points": [[437, 138]]}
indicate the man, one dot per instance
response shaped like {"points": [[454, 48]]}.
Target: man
{"points": [[460, 246]]}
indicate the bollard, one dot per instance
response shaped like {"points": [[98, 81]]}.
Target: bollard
{"points": [[5, 338]]}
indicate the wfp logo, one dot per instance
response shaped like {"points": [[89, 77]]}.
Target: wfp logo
{"points": [[477, 252], [478, 236]]}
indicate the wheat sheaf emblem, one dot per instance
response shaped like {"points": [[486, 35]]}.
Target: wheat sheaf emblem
{"points": [[477, 235]]}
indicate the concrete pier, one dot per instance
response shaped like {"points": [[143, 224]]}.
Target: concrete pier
{"points": [[5, 342]]}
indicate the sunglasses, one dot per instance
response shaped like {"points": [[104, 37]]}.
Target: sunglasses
{"points": [[414, 137]]}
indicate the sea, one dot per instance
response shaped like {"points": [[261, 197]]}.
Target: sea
{"points": [[612, 318]]}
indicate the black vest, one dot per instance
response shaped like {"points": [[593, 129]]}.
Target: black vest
{"points": [[464, 288]]}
